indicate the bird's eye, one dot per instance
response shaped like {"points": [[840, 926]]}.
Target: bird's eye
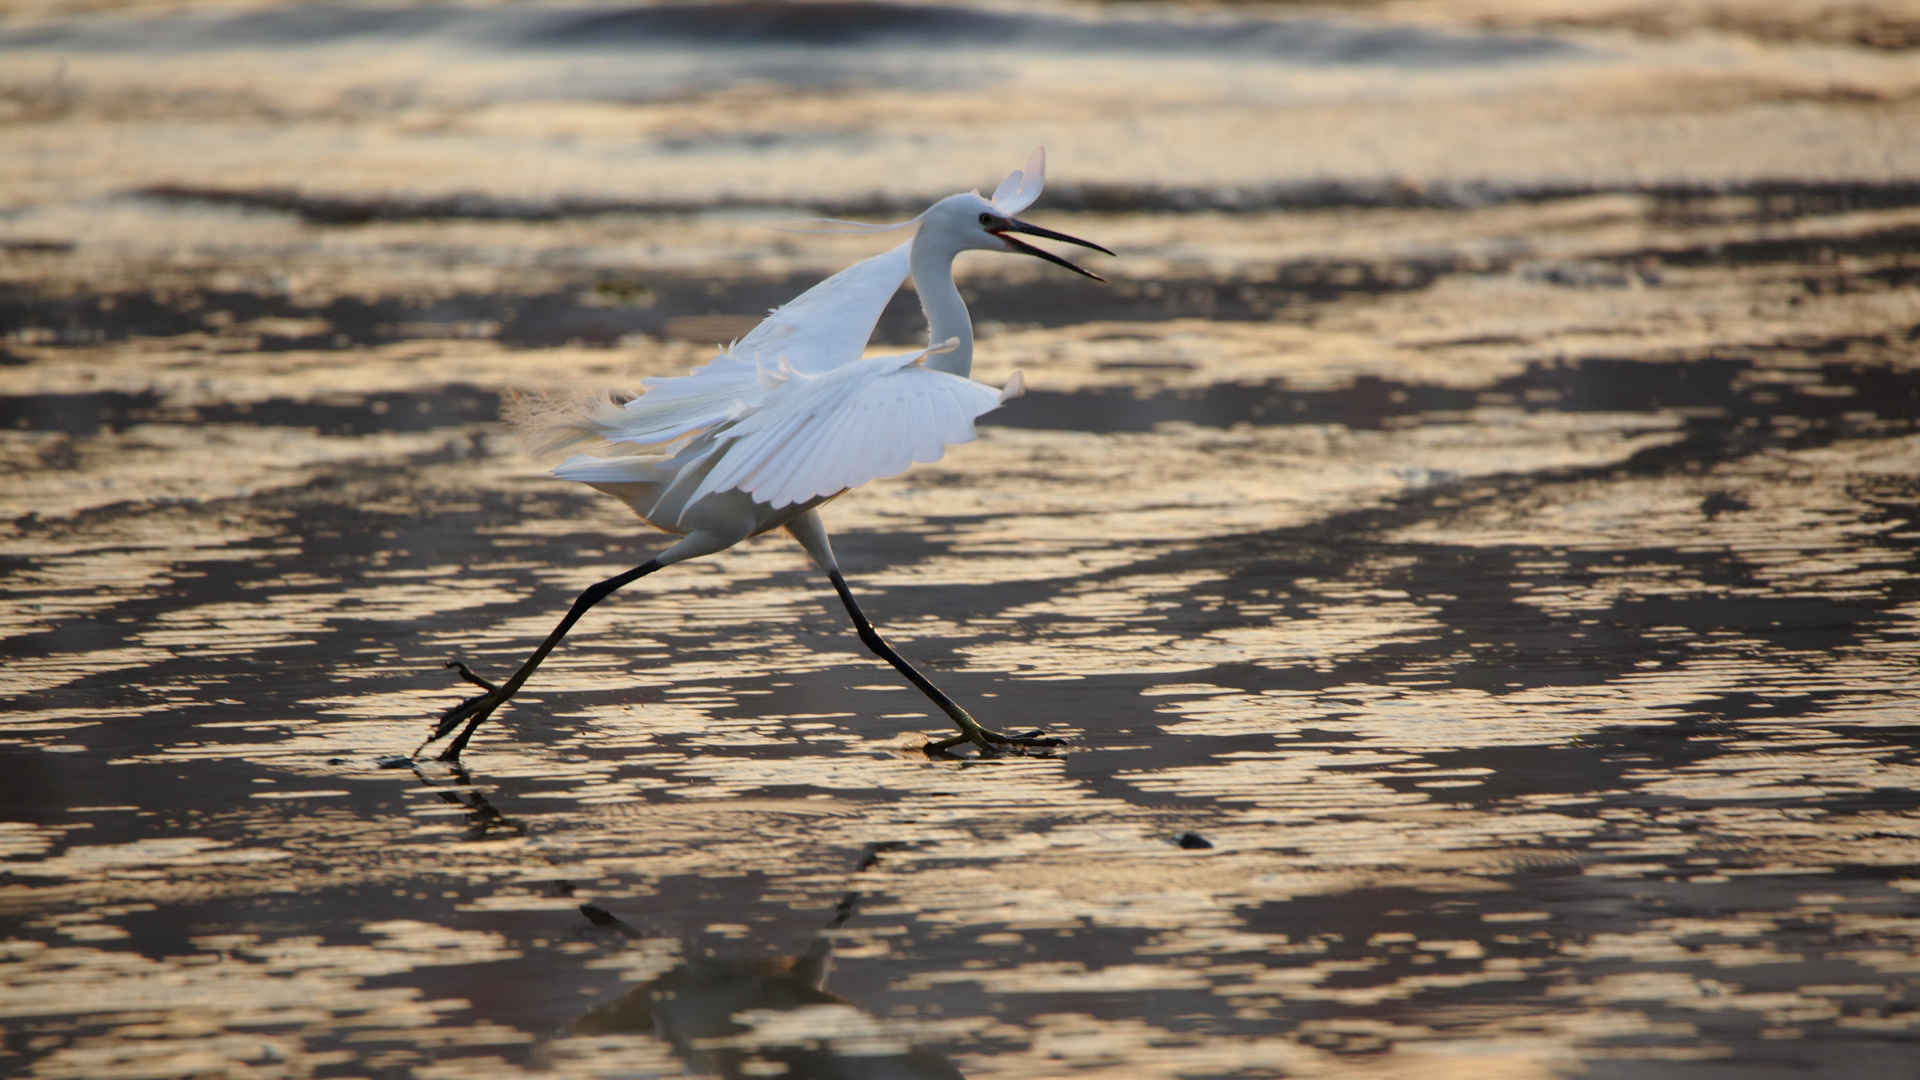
{"points": [[986, 219]]}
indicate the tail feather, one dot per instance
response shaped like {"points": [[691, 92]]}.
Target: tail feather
{"points": [[636, 480], [550, 422], [637, 469]]}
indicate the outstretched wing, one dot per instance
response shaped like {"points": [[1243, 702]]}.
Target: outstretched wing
{"points": [[823, 434], [829, 324], [822, 328]]}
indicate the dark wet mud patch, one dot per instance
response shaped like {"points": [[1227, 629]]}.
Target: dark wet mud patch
{"points": [[1613, 773], [37, 247], [1867, 26], [847, 25], [605, 309], [863, 25], [87, 414], [79, 415], [1371, 403], [1526, 924], [1680, 204], [526, 320], [1359, 972], [1493, 632], [521, 978], [338, 552], [1489, 601], [1714, 398], [1762, 200], [1817, 249]]}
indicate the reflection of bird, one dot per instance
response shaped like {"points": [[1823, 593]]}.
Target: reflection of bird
{"points": [[771, 1017], [791, 416], [482, 819], [740, 1017]]}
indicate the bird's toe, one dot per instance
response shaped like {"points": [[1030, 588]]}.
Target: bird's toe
{"points": [[991, 743], [467, 674], [1034, 738]]}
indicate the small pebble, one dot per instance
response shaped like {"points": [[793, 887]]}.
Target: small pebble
{"points": [[1192, 841]]}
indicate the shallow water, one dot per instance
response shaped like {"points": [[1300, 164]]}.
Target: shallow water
{"points": [[1469, 546]]}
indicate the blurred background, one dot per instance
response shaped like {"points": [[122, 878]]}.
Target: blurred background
{"points": [[1469, 542]]}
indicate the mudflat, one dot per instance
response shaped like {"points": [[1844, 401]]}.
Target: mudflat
{"points": [[1470, 546]]}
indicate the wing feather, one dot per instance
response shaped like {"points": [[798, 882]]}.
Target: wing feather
{"points": [[821, 329], [890, 453], [930, 403], [738, 471], [827, 456], [674, 407], [847, 429], [829, 324], [790, 462]]}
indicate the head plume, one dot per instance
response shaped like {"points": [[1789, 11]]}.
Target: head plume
{"points": [[1022, 186]]}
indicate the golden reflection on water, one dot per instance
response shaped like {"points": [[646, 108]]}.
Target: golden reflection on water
{"points": [[1546, 703], [719, 727]]}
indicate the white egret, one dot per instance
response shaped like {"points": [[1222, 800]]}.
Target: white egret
{"points": [[792, 415]]}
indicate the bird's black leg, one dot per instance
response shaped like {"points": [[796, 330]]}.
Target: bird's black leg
{"points": [[475, 710], [988, 740]]}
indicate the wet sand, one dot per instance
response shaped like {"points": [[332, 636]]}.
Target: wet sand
{"points": [[1470, 547]]}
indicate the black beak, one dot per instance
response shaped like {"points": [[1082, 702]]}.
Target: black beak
{"points": [[1014, 226]]}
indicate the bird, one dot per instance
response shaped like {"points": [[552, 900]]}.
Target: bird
{"points": [[791, 416]]}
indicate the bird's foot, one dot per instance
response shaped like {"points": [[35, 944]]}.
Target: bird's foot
{"points": [[993, 743], [471, 712]]}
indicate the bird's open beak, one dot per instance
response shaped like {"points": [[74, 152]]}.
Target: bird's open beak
{"points": [[1024, 248]]}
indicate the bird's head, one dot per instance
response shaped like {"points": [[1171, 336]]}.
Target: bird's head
{"points": [[972, 222]]}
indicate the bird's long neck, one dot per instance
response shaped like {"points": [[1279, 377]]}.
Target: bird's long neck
{"points": [[946, 312]]}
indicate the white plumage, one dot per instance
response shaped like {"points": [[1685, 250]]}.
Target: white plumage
{"points": [[794, 413]]}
